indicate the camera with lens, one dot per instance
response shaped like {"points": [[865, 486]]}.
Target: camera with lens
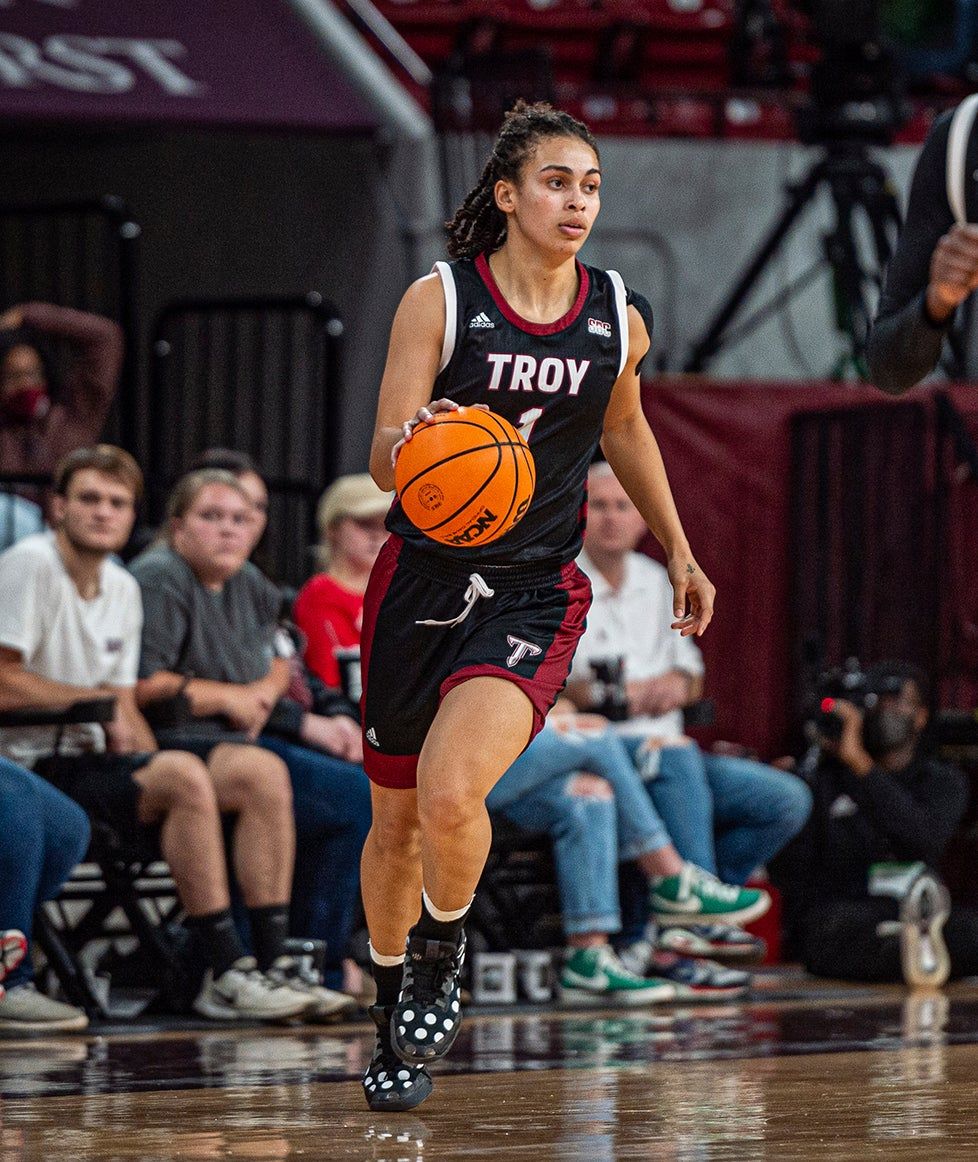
{"points": [[608, 694], [849, 683], [855, 92]]}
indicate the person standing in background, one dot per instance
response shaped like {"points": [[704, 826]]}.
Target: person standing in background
{"points": [[43, 417]]}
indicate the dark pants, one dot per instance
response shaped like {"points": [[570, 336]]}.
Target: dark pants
{"points": [[331, 800], [840, 940]]}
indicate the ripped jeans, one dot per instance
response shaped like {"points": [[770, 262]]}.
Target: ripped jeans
{"points": [[591, 834]]}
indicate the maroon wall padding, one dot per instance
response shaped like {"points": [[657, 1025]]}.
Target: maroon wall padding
{"points": [[728, 450], [958, 560]]}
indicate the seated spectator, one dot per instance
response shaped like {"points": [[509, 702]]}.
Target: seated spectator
{"points": [[329, 608], [879, 797], [312, 711], [69, 630], [576, 783], [43, 835], [42, 418], [725, 815], [211, 634]]}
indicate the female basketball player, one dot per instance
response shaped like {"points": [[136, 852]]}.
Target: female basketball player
{"points": [[518, 324]]}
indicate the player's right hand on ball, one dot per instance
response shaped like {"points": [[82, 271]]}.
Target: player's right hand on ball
{"points": [[953, 271], [421, 416]]}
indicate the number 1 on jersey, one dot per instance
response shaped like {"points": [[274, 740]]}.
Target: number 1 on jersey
{"points": [[527, 420]]}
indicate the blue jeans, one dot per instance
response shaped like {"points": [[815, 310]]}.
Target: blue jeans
{"points": [[590, 836], [43, 835], [331, 801], [727, 815]]}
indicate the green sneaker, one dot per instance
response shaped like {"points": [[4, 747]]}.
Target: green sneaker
{"points": [[695, 895], [598, 974]]}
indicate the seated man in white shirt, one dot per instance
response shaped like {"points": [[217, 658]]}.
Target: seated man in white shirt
{"points": [[70, 624], [726, 815]]}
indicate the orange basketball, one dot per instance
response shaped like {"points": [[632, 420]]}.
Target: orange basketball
{"points": [[465, 478]]}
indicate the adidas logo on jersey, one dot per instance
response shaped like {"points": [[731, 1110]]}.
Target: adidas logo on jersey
{"points": [[482, 320], [372, 737], [599, 327]]}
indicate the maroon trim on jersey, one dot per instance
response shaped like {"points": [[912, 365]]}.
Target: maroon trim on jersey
{"points": [[485, 271], [551, 675]]}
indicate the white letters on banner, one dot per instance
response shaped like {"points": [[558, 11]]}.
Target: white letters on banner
{"points": [[93, 64]]}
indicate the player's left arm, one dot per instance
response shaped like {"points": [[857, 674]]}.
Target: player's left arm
{"points": [[633, 453]]}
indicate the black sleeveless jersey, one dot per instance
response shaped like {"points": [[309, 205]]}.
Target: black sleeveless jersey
{"points": [[552, 381]]}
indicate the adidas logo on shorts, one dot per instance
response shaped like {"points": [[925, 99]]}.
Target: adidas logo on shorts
{"points": [[482, 320], [372, 737]]}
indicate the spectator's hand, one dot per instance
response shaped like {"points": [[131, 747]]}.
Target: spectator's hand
{"points": [[249, 706], [694, 594], [120, 738], [340, 736], [953, 271], [579, 723], [665, 693], [849, 748], [12, 318], [421, 416]]}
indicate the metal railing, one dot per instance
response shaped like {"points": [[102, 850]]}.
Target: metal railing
{"points": [[260, 375]]}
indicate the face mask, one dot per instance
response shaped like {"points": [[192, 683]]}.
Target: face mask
{"points": [[885, 730], [28, 405]]}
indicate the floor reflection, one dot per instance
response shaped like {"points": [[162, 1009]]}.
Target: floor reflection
{"points": [[498, 1043], [915, 1102]]}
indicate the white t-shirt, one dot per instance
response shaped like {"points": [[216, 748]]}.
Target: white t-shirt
{"points": [[63, 637], [633, 623]]}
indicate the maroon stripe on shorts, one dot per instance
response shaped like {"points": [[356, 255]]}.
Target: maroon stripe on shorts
{"points": [[380, 581], [553, 670], [390, 770], [385, 770]]}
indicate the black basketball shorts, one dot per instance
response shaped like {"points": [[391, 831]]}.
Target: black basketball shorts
{"points": [[525, 633]]}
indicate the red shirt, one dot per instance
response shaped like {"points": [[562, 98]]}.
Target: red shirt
{"points": [[331, 617]]}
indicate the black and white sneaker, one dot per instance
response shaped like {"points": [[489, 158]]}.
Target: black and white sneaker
{"points": [[428, 1015], [390, 1083]]}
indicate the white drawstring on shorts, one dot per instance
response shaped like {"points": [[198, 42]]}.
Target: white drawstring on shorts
{"points": [[477, 588]]}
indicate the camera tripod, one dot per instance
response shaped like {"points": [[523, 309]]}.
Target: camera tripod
{"points": [[855, 183]]}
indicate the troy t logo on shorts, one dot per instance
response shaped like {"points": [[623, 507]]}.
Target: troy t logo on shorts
{"points": [[520, 650]]}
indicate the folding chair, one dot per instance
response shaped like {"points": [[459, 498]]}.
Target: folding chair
{"points": [[114, 895]]}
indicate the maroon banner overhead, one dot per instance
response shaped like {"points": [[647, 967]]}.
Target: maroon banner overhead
{"points": [[230, 62]]}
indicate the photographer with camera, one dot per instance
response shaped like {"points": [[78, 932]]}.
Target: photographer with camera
{"points": [[880, 797]]}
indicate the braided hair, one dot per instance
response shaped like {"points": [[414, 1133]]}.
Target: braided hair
{"points": [[479, 225]]}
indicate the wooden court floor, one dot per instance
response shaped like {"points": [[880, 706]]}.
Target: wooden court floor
{"points": [[800, 1071]]}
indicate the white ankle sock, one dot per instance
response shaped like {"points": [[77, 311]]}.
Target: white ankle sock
{"points": [[438, 914]]}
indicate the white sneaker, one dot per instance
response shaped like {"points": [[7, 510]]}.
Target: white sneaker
{"points": [[923, 953], [244, 993], [325, 1004], [25, 1010]]}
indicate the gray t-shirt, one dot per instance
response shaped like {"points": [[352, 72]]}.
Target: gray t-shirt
{"points": [[226, 636]]}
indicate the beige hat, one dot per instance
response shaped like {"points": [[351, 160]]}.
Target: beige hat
{"points": [[355, 496]]}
